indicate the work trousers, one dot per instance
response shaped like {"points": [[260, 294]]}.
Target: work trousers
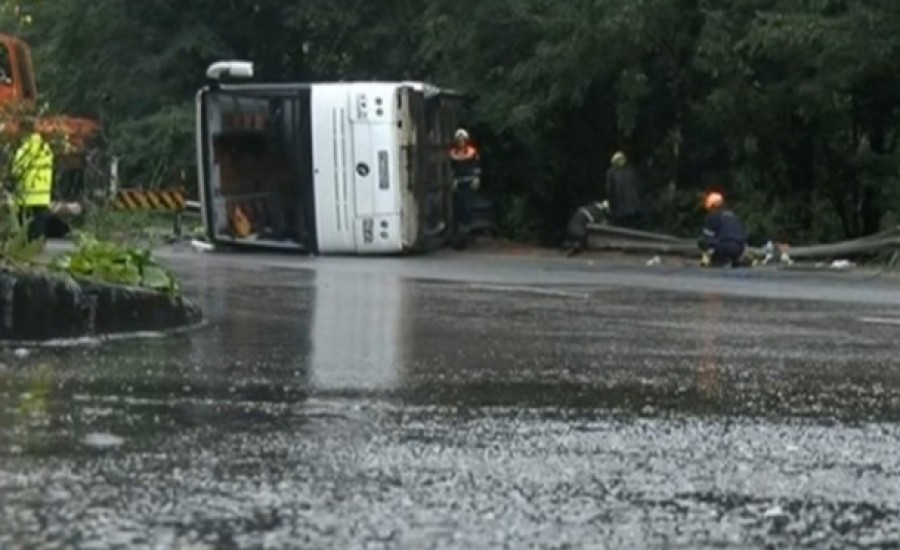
{"points": [[723, 252], [36, 217], [462, 205]]}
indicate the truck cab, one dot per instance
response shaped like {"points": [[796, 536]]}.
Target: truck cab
{"points": [[17, 83], [18, 96]]}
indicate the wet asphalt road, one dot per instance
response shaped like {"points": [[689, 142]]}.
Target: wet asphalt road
{"points": [[468, 402]]}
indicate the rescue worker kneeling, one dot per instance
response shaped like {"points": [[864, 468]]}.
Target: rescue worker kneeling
{"points": [[724, 239], [577, 230]]}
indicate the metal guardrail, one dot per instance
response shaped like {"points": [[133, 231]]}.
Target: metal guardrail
{"points": [[607, 237]]}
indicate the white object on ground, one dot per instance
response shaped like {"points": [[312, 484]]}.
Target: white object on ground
{"points": [[103, 440], [655, 260], [841, 264], [774, 512], [202, 246]]}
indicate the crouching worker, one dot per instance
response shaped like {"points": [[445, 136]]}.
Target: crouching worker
{"points": [[577, 230], [724, 239]]}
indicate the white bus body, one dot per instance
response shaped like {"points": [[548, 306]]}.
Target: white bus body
{"points": [[330, 168]]}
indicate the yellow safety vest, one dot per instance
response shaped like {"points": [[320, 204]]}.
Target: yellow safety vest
{"points": [[33, 170]]}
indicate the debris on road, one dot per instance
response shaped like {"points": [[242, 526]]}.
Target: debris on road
{"points": [[842, 264], [776, 253], [103, 440], [201, 246]]}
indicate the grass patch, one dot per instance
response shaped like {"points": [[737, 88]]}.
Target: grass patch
{"points": [[145, 228]]}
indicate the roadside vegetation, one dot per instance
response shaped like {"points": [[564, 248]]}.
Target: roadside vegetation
{"points": [[790, 107], [109, 262], [104, 261], [105, 251]]}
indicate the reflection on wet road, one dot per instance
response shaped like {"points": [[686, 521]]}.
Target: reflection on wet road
{"points": [[335, 408]]}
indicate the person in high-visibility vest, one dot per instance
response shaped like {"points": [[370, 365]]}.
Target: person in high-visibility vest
{"points": [[32, 170]]}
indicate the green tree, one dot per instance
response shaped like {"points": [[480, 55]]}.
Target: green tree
{"points": [[789, 106]]}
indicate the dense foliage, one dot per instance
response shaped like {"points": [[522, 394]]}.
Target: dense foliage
{"points": [[789, 106]]}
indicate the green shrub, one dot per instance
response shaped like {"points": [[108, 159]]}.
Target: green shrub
{"points": [[109, 262], [15, 248]]}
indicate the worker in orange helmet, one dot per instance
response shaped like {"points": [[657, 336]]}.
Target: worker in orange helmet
{"points": [[465, 161], [724, 238]]}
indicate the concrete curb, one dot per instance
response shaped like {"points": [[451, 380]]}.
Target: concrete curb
{"points": [[38, 306]]}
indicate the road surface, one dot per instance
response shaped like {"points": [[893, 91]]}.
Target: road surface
{"points": [[467, 401]]}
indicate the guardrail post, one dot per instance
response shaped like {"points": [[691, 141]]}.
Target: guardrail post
{"points": [[114, 177], [894, 257], [176, 229]]}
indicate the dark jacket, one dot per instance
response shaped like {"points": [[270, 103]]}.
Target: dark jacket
{"points": [[625, 191], [577, 229], [722, 226]]}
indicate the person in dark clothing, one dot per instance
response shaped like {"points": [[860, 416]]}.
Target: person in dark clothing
{"points": [[625, 191], [465, 161], [577, 230], [724, 238]]}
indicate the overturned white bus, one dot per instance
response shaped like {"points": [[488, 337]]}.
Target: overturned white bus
{"points": [[329, 168]]}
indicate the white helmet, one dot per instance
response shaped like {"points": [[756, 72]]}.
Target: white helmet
{"points": [[461, 134]]}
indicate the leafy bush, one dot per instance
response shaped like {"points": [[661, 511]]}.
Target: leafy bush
{"points": [[113, 263], [16, 249], [128, 229], [154, 148]]}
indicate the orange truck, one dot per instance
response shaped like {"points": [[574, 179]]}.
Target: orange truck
{"points": [[18, 95]]}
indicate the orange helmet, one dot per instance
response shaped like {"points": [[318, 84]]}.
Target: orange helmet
{"points": [[713, 200]]}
